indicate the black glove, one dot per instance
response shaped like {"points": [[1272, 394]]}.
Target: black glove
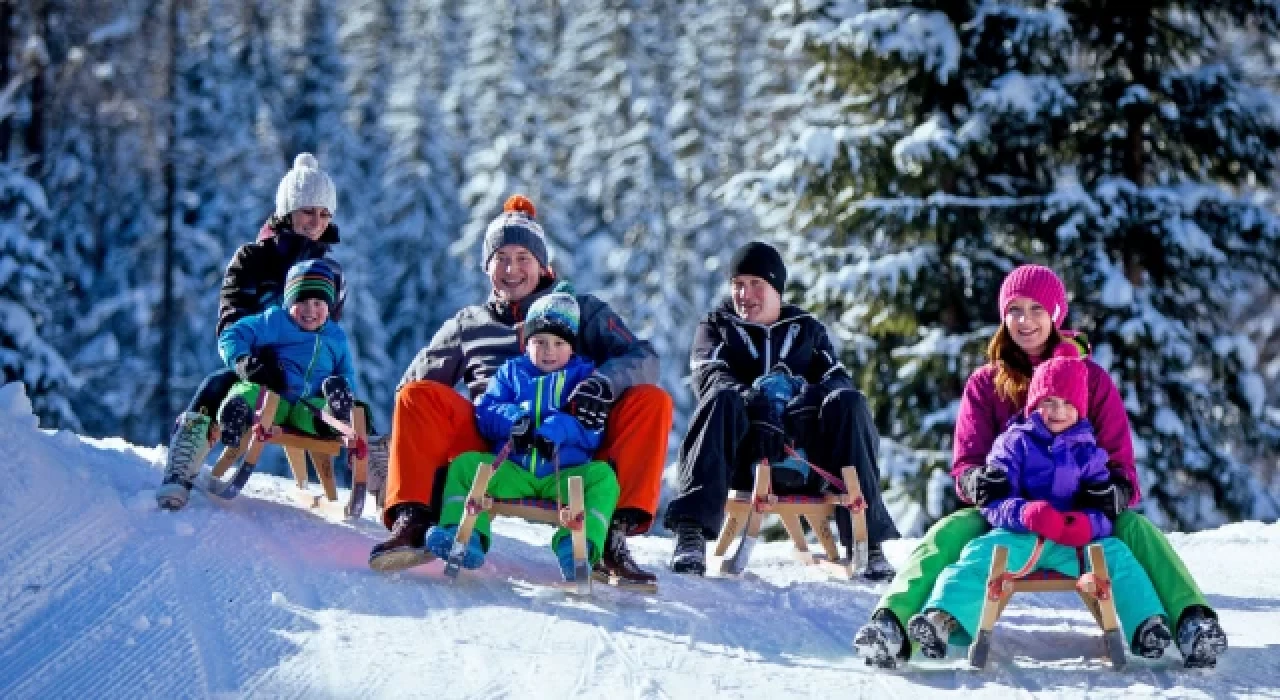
{"points": [[522, 435], [547, 449], [765, 440], [800, 417], [986, 485], [1110, 497], [262, 369], [590, 402]]}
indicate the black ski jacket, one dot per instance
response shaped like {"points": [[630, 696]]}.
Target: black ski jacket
{"points": [[731, 352], [255, 275]]}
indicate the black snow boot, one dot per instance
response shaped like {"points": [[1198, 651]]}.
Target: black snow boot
{"points": [[1151, 638], [616, 566], [337, 393], [406, 547], [690, 556], [881, 641], [234, 419], [878, 567], [1200, 638], [931, 630]]}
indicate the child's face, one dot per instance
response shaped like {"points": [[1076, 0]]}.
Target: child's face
{"points": [[309, 314], [1058, 414], [548, 352]]}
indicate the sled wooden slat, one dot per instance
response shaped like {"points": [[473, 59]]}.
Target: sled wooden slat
{"points": [[530, 512]]}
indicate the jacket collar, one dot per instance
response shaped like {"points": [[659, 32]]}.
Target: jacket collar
{"points": [[1034, 425], [788, 314], [513, 312]]}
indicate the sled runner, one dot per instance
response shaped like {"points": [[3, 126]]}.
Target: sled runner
{"points": [[571, 516], [297, 448], [1094, 588], [745, 512]]}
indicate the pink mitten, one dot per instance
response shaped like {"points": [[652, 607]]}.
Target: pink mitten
{"points": [[1076, 530], [1043, 519]]}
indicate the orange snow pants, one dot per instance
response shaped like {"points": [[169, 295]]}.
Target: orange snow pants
{"points": [[432, 424]]}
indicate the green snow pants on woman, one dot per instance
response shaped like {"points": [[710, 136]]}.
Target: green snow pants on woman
{"points": [[961, 588], [599, 491], [944, 541]]}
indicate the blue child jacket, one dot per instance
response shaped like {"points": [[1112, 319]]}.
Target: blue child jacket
{"points": [[518, 389], [306, 357]]}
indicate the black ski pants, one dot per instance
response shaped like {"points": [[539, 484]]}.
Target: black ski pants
{"points": [[711, 462]]}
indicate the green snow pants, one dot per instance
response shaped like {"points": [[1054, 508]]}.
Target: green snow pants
{"points": [[944, 541], [294, 415], [599, 491], [961, 587]]}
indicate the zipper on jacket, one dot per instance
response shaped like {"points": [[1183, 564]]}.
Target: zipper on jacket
{"points": [[306, 377], [768, 336], [787, 342], [537, 421]]}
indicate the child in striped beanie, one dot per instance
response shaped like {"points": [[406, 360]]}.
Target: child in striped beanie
{"points": [[294, 351]]}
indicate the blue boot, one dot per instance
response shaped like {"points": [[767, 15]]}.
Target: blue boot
{"points": [[440, 542], [564, 555]]}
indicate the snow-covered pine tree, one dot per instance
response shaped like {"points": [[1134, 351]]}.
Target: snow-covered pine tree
{"points": [[1165, 227], [905, 192]]}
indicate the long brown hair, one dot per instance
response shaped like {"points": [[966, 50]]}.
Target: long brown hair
{"points": [[1013, 364]]}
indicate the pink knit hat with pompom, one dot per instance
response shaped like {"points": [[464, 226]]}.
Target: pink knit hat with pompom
{"points": [[1038, 283]]}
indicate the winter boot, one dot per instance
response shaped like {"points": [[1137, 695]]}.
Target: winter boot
{"points": [[379, 457], [616, 566], [880, 641], [1151, 637], [440, 542], [235, 418], [188, 447], [564, 557], [931, 630], [1200, 638], [337, 393], [878, 567], [690, 555], [405, 549]]}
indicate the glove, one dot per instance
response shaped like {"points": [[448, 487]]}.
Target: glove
{"points": [[986, 485], [591, 400], [546, 447], [765, 440], [1076, 530], [262, 369], [522, 435], [1110, 498], [1043, 519], [800, 415]]}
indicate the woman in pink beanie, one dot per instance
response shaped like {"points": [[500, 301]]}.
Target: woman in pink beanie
{"points": [[1033, 306]]}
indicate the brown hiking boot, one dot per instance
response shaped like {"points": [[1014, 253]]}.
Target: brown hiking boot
{"points": [[617, 567], [407, 546]]}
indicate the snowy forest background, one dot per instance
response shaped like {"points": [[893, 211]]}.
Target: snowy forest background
{"points": [[904, 155]]}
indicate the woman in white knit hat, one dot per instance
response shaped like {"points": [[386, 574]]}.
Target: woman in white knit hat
{"points": [[301, 228]]}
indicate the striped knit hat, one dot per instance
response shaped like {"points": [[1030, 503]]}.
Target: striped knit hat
{"points": [[516, 225], [557, 314], [311, 279]]}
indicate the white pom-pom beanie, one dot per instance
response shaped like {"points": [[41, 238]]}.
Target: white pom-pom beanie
{"points": [[305, 186]]}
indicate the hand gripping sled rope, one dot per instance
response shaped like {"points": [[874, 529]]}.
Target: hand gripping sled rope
{"points": [[1094, 588], [297, 448], [572, 516], [744, 515]]}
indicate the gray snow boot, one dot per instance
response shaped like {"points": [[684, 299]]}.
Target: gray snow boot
{"points": [[931, 630], [379, 456], [188, 446], [690, 555], [1200, 638], [880, 641], [878, 566]]}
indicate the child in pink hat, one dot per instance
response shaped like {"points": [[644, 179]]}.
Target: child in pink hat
{"points": [[1047, 455]]}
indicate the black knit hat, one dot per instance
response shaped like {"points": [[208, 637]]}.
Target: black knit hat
{"points": [[761, 260]]}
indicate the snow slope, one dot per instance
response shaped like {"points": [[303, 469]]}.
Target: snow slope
{"points": [[103, 596]]}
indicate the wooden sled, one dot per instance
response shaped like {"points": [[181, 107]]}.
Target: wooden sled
{"points": [[744, 513], [1093, 587], [297, 447], [532, 509]]}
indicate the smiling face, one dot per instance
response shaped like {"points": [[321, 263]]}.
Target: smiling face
{"points": [[755, 300], [309, 314], [1057, 414], [1030, 325], [514, 273], [549, 352], [310, 221]]}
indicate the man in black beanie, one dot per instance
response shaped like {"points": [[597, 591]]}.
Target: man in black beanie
{"points": [[744, 352]]}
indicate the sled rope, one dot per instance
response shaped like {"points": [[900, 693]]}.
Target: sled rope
{"points": [[856, 506], [475, 508], [997, 586]]}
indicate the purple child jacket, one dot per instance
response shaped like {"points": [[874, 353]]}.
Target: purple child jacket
{"points": [[1046, 467]]}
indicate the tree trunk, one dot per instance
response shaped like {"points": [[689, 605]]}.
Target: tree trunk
{"points": [[167, 320], [1135, 58], [37, 72], [6, 73]]}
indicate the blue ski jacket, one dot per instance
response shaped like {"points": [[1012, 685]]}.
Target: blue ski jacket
{"points": [[306, 357]]}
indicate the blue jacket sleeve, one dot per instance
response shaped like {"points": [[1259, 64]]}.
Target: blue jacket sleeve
{"points": [[566, 431], [496, 409], [243, 336]]}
